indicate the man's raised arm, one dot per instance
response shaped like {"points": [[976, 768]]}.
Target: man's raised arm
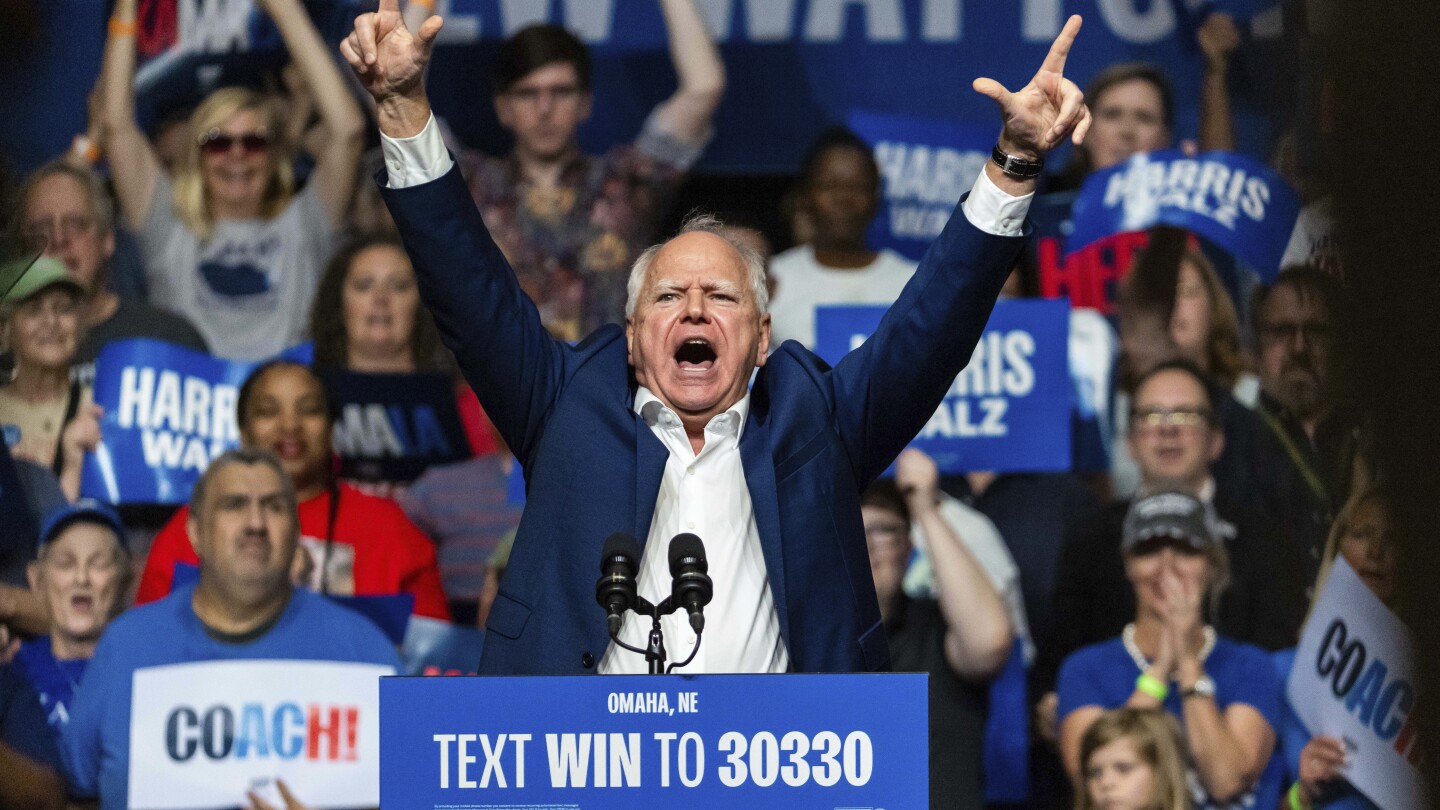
{"points": [[888, 388], [484, 317]]}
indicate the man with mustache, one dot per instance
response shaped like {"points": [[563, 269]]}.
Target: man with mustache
{"points": [[245, 525], [1313, 434], [656, 429]]}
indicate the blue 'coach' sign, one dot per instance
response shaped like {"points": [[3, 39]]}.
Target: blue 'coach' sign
{"points": [[1235, 201], [753, 741], [168, 411], [1009, 410]]}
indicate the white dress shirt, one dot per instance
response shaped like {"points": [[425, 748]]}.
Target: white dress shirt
{"points": [[703, 494]]}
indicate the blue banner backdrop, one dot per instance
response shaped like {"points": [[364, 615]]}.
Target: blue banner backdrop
{"points": [[794, 66], [753, 741], [1234, 201], [1009, 410], [168, 411]]}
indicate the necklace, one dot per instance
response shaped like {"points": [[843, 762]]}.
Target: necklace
{"points": [[1127, 637]]}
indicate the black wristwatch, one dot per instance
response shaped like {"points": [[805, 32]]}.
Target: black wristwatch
{"points": [[1018, 168]]}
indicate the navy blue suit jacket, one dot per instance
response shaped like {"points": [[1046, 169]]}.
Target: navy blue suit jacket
{"points": [[814, 439]]}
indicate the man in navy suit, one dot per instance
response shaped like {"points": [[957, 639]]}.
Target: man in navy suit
{"points": [[658, 429]]}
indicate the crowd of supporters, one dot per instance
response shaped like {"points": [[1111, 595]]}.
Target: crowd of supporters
{"points": [[1182, 566]]}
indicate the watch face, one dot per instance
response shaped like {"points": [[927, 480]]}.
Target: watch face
{"points": [[1205, 686]]}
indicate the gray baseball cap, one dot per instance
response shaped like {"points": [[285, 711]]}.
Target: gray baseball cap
{"points": [[1173, 514]]}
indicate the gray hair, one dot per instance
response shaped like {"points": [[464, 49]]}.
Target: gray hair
{"points": [[249, 457], [101, 206], [698, 222]]}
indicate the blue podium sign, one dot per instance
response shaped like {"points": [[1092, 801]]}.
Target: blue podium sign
{"points": [[585, 742]]}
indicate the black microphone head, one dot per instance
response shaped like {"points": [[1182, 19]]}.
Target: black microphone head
{"points": [[620, 545], [686, 549], [615, 590]]}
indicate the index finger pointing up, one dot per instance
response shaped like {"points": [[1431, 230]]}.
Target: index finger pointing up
{"points": [[1055, 60], [394, 5]]}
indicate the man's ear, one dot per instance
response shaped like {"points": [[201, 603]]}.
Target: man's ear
{"points": [[630, 341], [192, 530], [32, 575], [763, 347], [1217, 443]]}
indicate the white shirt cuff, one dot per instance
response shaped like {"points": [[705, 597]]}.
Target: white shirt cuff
{"points": [[990, 209], [415, 160]]}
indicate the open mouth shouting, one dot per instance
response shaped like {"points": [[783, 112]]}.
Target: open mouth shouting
{"points": [[695, 355]]}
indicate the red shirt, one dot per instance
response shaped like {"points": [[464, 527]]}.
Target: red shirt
{"points": [[391, 555]]}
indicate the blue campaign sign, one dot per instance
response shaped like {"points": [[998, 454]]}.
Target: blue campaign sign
{"points": [[168, 411], [1236, 202], [926, 166], [1009, 410], [753, 741]]}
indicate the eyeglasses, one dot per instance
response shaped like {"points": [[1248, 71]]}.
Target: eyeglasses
{"points": [[41, 233], [1155, 418], [216, 142]]}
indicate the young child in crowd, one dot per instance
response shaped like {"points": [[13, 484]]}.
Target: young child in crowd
{"points": [[1132, 760]]}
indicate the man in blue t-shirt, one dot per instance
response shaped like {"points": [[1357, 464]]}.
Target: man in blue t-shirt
{"points": [[245, 526]]}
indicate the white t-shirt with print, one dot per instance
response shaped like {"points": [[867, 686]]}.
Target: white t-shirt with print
{"points": [[803, 284], [249, 288]]}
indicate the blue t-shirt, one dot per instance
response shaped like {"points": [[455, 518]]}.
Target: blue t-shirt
{"points": [[22, 723], [53, 680], [96, 743], [1104, 675], [1292, 739]]}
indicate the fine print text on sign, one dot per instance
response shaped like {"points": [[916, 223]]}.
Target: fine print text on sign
{"points": [[203, 734], [1353, 680], [706, 741]]}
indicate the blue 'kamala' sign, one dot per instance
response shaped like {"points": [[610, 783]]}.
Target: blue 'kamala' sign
{"points": [[752, 741], [1009, 410]]}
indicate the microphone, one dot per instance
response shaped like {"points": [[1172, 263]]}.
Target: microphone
{"points": [[615, 590], [691, 587]]}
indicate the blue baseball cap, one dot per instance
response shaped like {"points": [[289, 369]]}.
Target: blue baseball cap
{"points": [[86, 510]]}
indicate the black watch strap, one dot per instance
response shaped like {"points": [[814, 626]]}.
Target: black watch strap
{"points": [[1016, 167]]}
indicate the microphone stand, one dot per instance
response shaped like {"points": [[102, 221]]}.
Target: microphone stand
{"points": [[654, 651]]}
